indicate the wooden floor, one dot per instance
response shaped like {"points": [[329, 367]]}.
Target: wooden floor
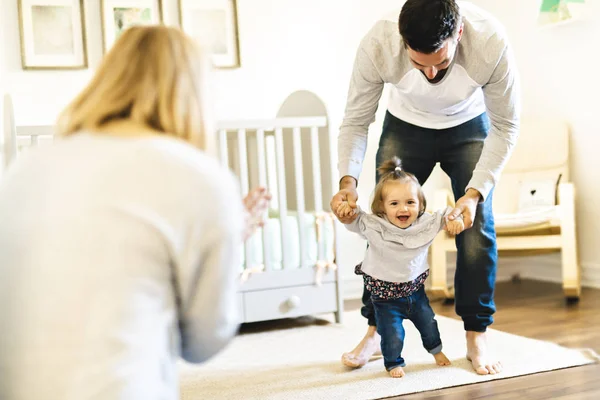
{"points": [[536, 310]]}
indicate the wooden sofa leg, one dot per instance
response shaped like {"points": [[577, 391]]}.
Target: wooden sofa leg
{"points": [[439, 286], [571, 273]]}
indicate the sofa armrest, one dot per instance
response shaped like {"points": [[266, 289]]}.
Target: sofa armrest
{"points": [[566, 194], [566, 202]]}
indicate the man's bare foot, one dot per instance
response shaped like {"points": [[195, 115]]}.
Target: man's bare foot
{"points": [[479, 354], [441, 359], [369, 346], [397, 372]]}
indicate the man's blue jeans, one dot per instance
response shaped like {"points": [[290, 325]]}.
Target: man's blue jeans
{"points": [[390, 315], [457, 150]]}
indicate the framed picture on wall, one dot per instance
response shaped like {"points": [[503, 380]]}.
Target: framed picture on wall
{"points": [[52, 34], [118, 15], [213, 24]]}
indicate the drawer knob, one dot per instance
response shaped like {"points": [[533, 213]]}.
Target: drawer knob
{"points": [[293, 302]]}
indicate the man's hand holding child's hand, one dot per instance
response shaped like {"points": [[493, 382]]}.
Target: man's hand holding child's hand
{"points": [[345, 210], [454, 227]]}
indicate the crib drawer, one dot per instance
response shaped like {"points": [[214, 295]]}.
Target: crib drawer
{"points": [[289, 302]]}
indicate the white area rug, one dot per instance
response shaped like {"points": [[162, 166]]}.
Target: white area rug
{"points": [[303, 363]]}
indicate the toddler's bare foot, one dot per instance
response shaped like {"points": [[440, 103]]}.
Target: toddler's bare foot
{"points": [[479, 354], [397, 372], [441, 359], [369, 346]]}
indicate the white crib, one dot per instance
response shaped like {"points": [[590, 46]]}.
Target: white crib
{"points": [[288, 268]]}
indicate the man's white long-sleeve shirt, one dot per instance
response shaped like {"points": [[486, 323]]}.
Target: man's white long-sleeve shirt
{"points": [[482, 77]]}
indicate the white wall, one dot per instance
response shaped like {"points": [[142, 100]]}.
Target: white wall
{"points": [[2, 89], [557, 67], [289, 45], [39, 95]]}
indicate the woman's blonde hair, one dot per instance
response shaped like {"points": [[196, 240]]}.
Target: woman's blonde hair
{"points": [[154, 76], [391, 171]]}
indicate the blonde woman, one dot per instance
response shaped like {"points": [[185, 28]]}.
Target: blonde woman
{"points": [[119, 244]]}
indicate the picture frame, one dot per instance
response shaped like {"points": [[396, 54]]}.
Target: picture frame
{"points": [[52, 34], [118, 15], [213, 24]]}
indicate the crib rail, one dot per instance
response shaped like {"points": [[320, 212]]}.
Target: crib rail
{"points": [[35, 130], [24, 135], [272, 124], [261, 144]]}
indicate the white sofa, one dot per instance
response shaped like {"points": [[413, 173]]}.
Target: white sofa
{"points": [[534, 205]]}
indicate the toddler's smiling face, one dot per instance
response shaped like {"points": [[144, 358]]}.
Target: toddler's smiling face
{"points": [[401, 203]]}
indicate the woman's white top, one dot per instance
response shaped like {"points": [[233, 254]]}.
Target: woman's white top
{"points": [[117, 255]]}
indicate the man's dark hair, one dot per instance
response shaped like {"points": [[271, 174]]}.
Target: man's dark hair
{"points": [[426, 24]]}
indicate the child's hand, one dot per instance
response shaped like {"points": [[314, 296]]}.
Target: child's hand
{"points": [[454, 227], [345, 210]]}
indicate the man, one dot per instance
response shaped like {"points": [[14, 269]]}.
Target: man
{"points": [[453, 100]]}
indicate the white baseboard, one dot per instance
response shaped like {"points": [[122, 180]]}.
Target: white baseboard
{"points": [[545, 268], [590, 275]]}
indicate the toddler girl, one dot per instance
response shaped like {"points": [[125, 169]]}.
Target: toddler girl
{"points": [[399, 233]]}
